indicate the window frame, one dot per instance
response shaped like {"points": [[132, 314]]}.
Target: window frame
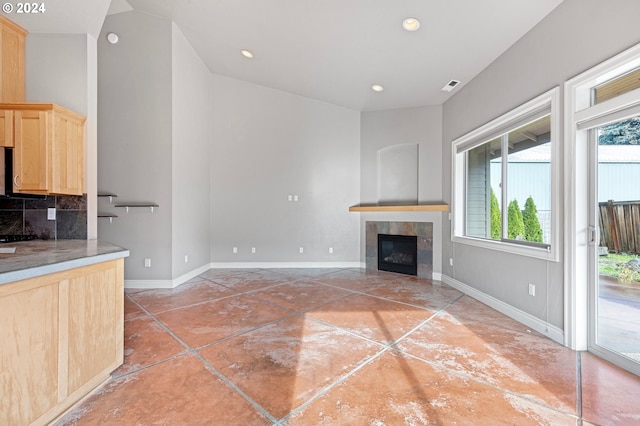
{"points": [[545, 104]]}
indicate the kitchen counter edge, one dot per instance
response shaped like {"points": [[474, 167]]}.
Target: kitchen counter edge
{"points": [[36, 258]]}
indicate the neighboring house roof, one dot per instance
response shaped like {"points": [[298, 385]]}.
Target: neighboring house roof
{"points": [[606, 154], [619, 153]]}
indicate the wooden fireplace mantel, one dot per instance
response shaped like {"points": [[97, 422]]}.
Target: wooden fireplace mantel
{"points": [[427, 207]]}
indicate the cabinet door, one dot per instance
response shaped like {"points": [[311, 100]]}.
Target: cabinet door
{"points": [[31, 152], [96, 299], [29, 336], [68, 156], [11, 62], [6, 128]]}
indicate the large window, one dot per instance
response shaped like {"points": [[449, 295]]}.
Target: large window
{"points": [[504, 174]]}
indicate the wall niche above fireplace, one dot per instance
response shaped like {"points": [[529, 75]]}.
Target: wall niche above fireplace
{"points": [[423, 231]]}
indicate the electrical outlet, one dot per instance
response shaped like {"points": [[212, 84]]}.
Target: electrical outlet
{"points": [[532, 289], [147, 263], [51, 213], [330, 250], [186, 258], [253, 249], [451, 261], [235, 250], [290, 198], [301, 249]]}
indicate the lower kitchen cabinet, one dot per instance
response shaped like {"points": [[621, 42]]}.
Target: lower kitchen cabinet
{"points": [[62, 335]]}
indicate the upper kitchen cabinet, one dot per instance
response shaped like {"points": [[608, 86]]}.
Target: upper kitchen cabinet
{"points": [[48, 148], [11, 61]]}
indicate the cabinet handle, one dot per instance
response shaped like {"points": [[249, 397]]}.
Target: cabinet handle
{"points": [[15, 181]]}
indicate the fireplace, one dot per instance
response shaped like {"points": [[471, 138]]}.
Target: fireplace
{"points": [[421, 231], [398, 253]]}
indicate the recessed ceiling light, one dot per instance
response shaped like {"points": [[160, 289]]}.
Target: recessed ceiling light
{"points": [[411, 24], [377, 88], [247, 53]]}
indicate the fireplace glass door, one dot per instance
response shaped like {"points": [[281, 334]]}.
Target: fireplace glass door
{"points": [[398, 253]]}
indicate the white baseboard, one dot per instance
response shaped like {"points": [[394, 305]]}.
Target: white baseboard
{"points": [[150, 284], [436, 276], [554, 333], [192, 274], [267, 265]]}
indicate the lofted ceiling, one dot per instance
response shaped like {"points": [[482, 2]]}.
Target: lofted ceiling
{"points": [[330, 50], [64, 17]]}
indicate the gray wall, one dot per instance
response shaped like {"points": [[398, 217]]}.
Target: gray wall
{"points": [[191, 147], [577, 35], [134, 139], [381, 129], [268, 145], [56, 70]]}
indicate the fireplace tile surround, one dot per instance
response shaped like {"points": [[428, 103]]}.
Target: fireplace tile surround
{"points": [[422, 230]]}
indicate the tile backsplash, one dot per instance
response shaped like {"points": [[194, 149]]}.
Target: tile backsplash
{"points": [[29, 217]]}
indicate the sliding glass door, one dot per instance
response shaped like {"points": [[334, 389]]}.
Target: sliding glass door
{"points": [[614, 239]]}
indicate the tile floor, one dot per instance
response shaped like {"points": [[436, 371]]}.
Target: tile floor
{"points": [[344, 347]]}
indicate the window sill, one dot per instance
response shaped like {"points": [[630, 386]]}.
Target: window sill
{"points": [[518, 249]]}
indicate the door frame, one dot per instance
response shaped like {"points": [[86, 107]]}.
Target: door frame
{"points": [[577, 208]]}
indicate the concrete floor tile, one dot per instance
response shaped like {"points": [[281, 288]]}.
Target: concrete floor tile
{"points": [[192, 292], [206, 323], [396, 390], [300, 295], [282, 365], [381, 320], [178, 392], [610, 395]]}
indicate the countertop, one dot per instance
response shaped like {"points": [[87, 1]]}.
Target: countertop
{"points": [[39, 257]]}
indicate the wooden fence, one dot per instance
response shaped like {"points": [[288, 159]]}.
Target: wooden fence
{"points": [[620, 226]]}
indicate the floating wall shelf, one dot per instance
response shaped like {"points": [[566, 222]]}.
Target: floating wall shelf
{"points": [[127, 206], [110, 216], [107, 194], [434, 207]]}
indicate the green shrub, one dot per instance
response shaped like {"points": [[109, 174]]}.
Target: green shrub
{"points": [[515, 224], [532, 228], [496, 225]]}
